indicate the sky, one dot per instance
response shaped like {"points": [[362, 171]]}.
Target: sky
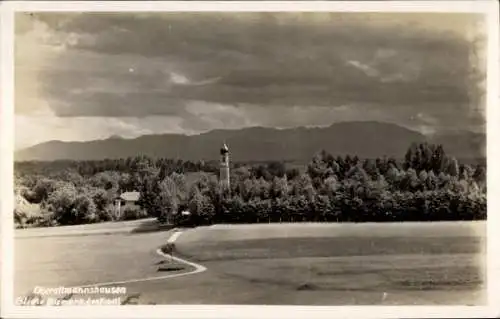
{"points": [[87, 76]]}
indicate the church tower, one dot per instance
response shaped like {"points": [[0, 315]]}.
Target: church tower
{"points": [[224, 166]]}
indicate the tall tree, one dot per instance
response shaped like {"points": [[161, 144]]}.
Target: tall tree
{"points": [[409, 156], [438, 159], [453, 169], [279, 187]]}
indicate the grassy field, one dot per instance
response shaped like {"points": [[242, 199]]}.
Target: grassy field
{"points": [[81, 260], [88, 229], [325, 260], [290, 264]]}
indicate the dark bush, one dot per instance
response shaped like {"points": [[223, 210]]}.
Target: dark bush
{"points": [[133, 212]]}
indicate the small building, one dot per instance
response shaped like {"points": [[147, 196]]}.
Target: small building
{"points": [[127, 200]]}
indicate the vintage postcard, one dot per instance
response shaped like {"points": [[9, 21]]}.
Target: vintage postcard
{"points": [[250, 159]]}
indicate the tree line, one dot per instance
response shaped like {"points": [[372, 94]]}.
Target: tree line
{"points": [[128, 165], [426, 185]]}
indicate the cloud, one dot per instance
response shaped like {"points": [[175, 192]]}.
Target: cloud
{"points": [[31, 130], [389, 65], [368, 70], [180, 79], [225, 69]]}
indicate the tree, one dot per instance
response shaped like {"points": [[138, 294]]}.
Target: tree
{"points": [[276, 169], [318, 168], [102, 200], [323, 209], [263, 188], [168, 199], [355, 160], [432, 181], [370, 168], [208, 212], [438, 159], [61, 205], [199, 206], [145, 172], [149, 196], [330, 186], [299, 207], [236, 210], [181, 189], [263, 210], [261, 171], [126, 182], [292, 173], [480, 174], [453, 169], [410, 156], [422, 176], [393, 176], [106, 180], [194, 200], [426, 151], [42, 190], [378, 186], [279, 187], [241, 174], [303, 186], [336, 169], [466, 172], [443, 180], [249, 189], [202, 183], [358, 174], [86, 208]]}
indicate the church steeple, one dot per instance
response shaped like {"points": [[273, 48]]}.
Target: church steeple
{"points": [[224, 149], [224, 166]]}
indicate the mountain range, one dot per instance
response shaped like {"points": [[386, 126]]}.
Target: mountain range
{"points": [[364, 139]]}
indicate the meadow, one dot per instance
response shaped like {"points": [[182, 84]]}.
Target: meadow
{"points": [[437, 263]]}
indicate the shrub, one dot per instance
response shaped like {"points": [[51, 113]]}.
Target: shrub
{"points": [[132, 213], [20, 218]]}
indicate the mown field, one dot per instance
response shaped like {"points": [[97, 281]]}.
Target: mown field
{"points": [[277, 264], [436, 263]]}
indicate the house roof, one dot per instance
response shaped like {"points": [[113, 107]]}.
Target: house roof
{"points": [[130, 196]]}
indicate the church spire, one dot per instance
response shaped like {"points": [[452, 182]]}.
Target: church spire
{"points": [[224, 165]]}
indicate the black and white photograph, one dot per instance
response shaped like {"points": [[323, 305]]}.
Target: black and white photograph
{"points": [[250, 158]]}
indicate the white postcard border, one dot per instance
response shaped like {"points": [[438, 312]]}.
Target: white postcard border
{"points": [[489, 8]]}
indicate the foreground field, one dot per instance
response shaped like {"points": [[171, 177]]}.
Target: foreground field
{"points": [[297, 264], [347, 263]]}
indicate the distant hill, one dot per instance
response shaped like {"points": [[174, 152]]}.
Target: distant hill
{"points": [[364, 139]]}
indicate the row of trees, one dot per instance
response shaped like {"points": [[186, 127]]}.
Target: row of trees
{"points": [[426, 185], [60, 168], [64, 203], [433, 187]]}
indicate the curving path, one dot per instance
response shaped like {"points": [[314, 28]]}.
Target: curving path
{"points": [[114, 259]]}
